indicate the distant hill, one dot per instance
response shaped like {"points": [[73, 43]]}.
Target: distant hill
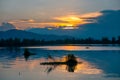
{"points": [[6, 26], [28, 35], [54, 31], [106, 25]]}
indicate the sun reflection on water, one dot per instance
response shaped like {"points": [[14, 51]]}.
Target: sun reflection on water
{"points": [[82, 67]]}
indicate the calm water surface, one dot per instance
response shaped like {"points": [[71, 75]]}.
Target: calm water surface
{"points": [[96, 63]]}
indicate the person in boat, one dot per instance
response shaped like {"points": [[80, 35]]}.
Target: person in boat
{"points": [[70, 62], [27, 54]]}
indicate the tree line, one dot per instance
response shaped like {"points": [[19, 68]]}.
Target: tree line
{"points": [[32, 42]]}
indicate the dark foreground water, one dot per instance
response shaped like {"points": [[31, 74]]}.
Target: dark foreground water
{"points": [[96, 63]]}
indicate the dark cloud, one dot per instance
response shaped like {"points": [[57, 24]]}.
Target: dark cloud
{"points": [[107, 24]]}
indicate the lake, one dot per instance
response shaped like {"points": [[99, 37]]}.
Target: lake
{"points": [[95, 62]]}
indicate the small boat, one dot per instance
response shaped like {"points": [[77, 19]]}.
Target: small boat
{"points": [[27, 54], [71, 62]]}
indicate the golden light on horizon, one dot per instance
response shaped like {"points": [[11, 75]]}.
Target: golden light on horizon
{"points": [[67, 21], [70, 20]]}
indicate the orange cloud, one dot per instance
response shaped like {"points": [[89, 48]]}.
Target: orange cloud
{"points": [[91, 15], [71, 20], [22, 21], [67, 21], [74, 20]]}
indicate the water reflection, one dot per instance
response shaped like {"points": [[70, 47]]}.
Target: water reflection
{"points": [[71, 64], [76, 48], [66, 65]]}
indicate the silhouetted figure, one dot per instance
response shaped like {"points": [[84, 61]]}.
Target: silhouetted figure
{"points": [[70, 62], [27, 54]]}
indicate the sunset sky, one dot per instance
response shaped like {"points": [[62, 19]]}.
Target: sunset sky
{"points": [[42, 13]]}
